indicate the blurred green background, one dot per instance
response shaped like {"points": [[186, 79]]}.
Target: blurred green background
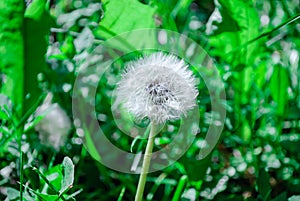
{"points": [[255, 46]]}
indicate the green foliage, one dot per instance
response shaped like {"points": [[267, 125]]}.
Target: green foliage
{"points": [[264, 188], [240, 23], [11, 51], [119, 18], [51, 185], [255, 45], [36, 18], [279, 84]]}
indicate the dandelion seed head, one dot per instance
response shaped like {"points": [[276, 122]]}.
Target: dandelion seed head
{"points": [[159, 87], [55, 124]]}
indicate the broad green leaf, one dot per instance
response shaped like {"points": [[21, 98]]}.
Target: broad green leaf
{"points": [[68, 174], [12, 51], [240, 23], [263, 184], [223, 43], [35, 10], [38, 18], [279, 84], [124, 15]]}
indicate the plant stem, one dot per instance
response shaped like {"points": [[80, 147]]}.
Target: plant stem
{"points": [[19, 138], [146, 164]]}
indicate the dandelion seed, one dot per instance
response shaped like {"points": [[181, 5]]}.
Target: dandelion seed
{"points": [[159, 87]]}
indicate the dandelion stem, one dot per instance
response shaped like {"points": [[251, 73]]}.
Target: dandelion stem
{"points": [[146, 164]]}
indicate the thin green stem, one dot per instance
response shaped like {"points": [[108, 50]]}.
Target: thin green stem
{"points": [[20, 131], [180, 188], [30, 112], [146, 164], [122, 193]]}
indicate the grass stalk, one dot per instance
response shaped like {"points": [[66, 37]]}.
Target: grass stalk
{"points": [[19, 137]]}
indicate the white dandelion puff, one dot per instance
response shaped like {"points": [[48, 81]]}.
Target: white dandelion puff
{"points": [[159, 87]]}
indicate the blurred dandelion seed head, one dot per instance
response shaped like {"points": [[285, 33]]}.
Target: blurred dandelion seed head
{"points": [[55, 124], [159, 87]]}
